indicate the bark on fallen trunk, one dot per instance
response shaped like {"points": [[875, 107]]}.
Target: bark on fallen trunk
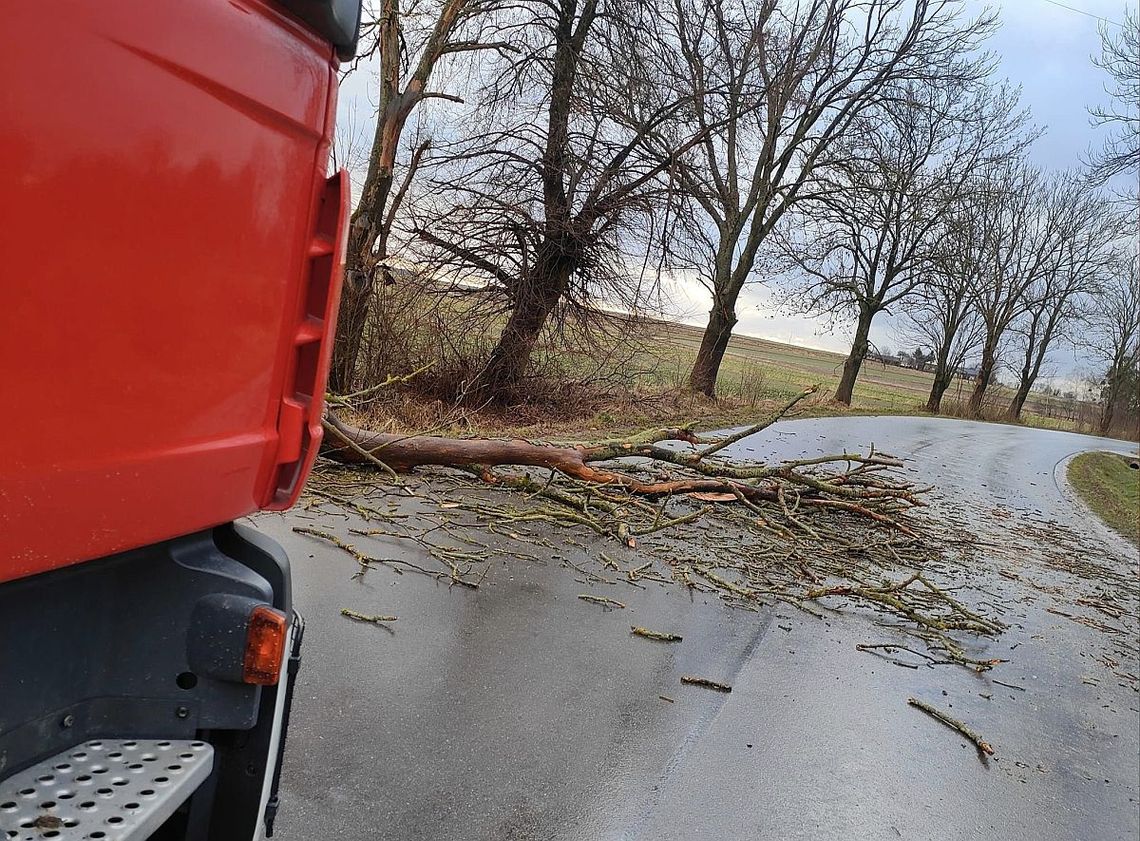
{"points": [[404, 452]]}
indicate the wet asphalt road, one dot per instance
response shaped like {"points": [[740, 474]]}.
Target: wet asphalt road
{"points": [[519, 712]]}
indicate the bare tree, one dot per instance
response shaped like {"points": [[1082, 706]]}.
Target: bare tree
{"points": [[1114, 338], [408, 56], [1086, 228], [1120, 58], [542, 199], [791, 80], [870, 235], [1015, 236], [940, 318]]}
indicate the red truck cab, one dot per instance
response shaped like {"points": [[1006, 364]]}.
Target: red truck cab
{"points": [[172, 257]]}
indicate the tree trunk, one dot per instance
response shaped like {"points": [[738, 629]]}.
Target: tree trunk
{"points": [[985, 374], [371, 221], [501, 378], [368, 239], [854, 361], [355, 299], [714, 342], [1106, 416], [367, 243], [1019, 398], [1035, 349], [537, 292], [366, 251], [1112, 395], [403, 452], [942, 377], [367, 218], [934, 401], [1034, 357]]}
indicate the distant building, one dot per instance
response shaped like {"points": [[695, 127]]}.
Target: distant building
{"points": [[917, 361]]}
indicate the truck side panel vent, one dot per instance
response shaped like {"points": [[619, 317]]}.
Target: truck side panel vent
{"points": [[299, 423]]}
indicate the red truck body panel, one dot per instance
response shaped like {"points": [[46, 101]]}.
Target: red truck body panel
{"points": [[171, 265]]}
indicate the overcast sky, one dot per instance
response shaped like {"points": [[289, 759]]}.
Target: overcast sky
{"points": [[1045, 48]]}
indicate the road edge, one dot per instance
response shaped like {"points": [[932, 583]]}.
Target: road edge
{"points": [[1116, 541]]}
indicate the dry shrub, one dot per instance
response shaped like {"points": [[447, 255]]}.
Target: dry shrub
{"points": [[583, 362], [752, 387]]}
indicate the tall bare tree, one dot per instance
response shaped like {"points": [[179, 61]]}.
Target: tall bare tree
{"points": [[1114, 338], [870, 234], [1016, 238], [792, 77], [540, 201], [1086, 228], [1120, 58], [941, 319], [409, 42]]}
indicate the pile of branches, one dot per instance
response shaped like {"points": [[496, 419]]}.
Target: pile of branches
{"points": [[818, 533]]}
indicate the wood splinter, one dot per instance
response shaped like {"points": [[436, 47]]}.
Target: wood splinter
{"points": [[660, 636], [706, 683], [602, 600], [980, 743], [364, 617]]}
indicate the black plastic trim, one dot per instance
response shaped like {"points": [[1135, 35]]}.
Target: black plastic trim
{"points": [[337, 21]]}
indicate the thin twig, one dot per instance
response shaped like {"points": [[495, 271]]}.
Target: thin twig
{"points": [[602, 600], [706, 683], [654, 635], [954, 723], [364, 617]]}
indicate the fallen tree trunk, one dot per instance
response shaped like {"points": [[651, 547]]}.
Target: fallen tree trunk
{"points": [[404, 452], [395, 452], [675, 470], [353, 445]]}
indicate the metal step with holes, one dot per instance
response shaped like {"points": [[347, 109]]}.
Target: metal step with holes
{"points": [[104, 790]]}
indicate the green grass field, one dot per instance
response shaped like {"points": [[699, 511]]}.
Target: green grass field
{"points": [[1110, 488], [774, 370]]}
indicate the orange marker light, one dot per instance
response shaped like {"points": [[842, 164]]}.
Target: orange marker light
{"points": [[264, 646]]}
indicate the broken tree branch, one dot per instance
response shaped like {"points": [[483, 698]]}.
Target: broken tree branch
{"points": [[806, 532], [954, 724], [660, 636], [706, 683]]}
